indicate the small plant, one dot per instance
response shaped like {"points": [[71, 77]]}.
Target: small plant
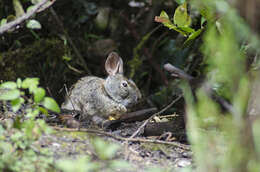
{"points": [[17, 137], [105, 153], [181, 23], [221, 140], [14, 92]]}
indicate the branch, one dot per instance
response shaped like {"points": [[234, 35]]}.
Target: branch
{"points": [[176, 144], [132, 117], [158, 113], [195, 82], [177, 72], [24, 17]]}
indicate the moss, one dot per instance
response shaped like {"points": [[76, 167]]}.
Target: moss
{"points": [[43, 59]]}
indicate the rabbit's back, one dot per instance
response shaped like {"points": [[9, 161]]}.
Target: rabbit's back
{"points": [[83, 94]]}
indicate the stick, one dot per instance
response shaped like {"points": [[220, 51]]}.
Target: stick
{"points": [[24, 17], [75, 49], [177, 72], [158, 113], [194, 82], [180, 145]]}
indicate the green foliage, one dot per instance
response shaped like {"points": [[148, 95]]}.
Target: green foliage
{"points": [[180, 1], [181, 23], [33, 24], [105, 152], [17, 149], [219, 139], [20, 11], [18, 8], [82, 164], [136, 62], [17, 142], [181, 17], [10, 95], [13, 90]]}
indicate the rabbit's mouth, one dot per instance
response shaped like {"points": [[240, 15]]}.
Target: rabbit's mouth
{"points": [[128, 103]]}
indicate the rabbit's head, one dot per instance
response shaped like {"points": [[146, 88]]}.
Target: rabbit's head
{"points": [[118, 87]]}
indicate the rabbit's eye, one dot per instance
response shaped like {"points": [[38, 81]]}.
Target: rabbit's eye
{"points": [[124, 84]]}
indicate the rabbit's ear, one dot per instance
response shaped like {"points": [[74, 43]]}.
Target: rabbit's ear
{"points": [[114, 64]]}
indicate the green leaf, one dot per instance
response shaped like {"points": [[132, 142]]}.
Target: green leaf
{"points": [[18, 8], [66, 57], [19, 83], [104, 149], [51, 104], [120, 164], [181, 16], [164, 14], [110, 151], [192, 37], [33, 24], [172, 26], [207, 13], [180, 1], [29, 8], [30, 83], [163, 18], [39, 94], [16, 103], [3, 21], [186, 29], [43, 110], [9, 85], [202, 21], [9, 94]]}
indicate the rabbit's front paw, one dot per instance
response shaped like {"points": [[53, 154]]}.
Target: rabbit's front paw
{"points": [[121, 108], [116, 111]]}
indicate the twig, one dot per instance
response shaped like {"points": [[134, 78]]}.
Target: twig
{"points": [[139, 115], [177, 72], [158, 113], [180, 145], [24, 17], [75, 49], [195, 81], [68, 97], [157, 41], [143, 125]]}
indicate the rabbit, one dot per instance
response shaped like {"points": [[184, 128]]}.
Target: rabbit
{"points": [[103, 98]]}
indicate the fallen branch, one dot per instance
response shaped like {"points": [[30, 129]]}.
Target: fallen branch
{"points": [[177, 72], [24, 17], [132, 117], [144, 124], [197, 82], [158, 113], [176, 144]]}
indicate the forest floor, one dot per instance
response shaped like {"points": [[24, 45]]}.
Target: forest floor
{"points": [[141, 152], [71, 143]]}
